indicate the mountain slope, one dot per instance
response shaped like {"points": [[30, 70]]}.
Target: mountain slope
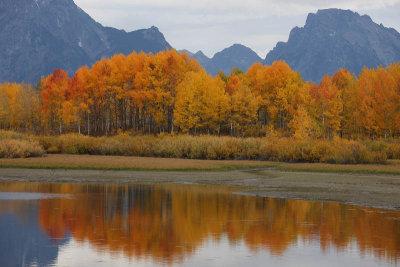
{"points": [[332, 39], [37, 36], [237, 55], [201, 58]]}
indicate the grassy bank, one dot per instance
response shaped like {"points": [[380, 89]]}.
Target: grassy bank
{"points": [[92, 162], [14, 145], [338, 151], [224, 148]]}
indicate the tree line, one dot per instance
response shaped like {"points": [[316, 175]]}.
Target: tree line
{"points": [[169, 92]]}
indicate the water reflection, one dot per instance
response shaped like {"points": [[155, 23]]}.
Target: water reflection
{"points": [[174, 223]]}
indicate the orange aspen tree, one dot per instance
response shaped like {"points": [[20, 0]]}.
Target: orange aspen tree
{"points": [[55, 88], [328, 106]]}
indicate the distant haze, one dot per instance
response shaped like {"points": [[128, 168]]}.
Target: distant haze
{"points": [[210, 25]]}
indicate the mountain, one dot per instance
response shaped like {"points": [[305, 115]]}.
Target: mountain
{"points": [[37, 36], [23, 241], [332, 39], [201, 58], [237, 55]]}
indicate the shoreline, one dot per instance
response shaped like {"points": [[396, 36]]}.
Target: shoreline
{"points": [[368, 190], [130, 163]]}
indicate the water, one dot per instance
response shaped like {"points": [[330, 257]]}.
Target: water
{"points": [[45, 224]]}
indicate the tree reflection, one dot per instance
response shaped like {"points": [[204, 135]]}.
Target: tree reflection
{"points": [[169, 222]]}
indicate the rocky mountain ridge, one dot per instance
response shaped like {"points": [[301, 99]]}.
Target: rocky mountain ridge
{"points": [[37, 36], [332, 39]]}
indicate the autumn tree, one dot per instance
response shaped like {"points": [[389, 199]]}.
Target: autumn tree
{"points": [[18, 107], [55, 88], [244, 107], [346, 84], [328, 106], [201, 103], [280, 91], [378, 102], [170, 91]]}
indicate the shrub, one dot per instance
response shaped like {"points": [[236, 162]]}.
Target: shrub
{"points": [[10, 135], [271, 148], [393, 151], [15, 148]]}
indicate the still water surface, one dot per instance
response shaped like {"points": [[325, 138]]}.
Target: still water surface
{"points": [[43, 224]]}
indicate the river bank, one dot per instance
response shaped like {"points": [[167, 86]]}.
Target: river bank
{"points": [[373, 190]]}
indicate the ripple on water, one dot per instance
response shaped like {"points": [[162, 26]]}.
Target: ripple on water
{"points": [[29, 196]]}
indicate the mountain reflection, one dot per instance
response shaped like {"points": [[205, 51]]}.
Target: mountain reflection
{"points": [[169, 222]]}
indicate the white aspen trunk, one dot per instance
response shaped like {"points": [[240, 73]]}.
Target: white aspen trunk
{"points": [[88, 124], [323, 121], [108, 122]]}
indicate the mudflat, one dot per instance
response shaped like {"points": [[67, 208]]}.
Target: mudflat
{"points": [[373, 190]]}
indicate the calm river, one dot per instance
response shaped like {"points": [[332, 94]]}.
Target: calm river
{"points": [[44, 224]]}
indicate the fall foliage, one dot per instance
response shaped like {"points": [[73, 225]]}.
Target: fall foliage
{"points": [[169, 92]]}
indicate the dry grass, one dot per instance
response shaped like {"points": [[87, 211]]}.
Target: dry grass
{"points": [[222, 148], [64, 161], [15, 148], [339, 151]]}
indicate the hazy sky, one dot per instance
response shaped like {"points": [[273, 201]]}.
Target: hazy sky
{"points": [[212, 25]]}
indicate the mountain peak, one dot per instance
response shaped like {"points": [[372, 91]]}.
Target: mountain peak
{"points": [[334, 38], [237, 55], [200, 54], [38, 36], [238, 47], [238, 50]]}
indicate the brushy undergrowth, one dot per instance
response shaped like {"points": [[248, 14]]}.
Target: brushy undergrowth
{"points": [[339, 151], [18, 145], [11, 135], [19, 148]]}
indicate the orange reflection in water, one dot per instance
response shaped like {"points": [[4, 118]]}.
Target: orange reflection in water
{"points": [[169, 222]]}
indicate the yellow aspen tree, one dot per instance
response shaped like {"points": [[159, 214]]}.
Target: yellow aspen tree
{"points": [[328, 106], [301, 124], [346, 84], [186, 110], [244, 108]]}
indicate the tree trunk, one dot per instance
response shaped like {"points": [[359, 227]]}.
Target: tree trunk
{"points": [[88, 124], [323, 123]]}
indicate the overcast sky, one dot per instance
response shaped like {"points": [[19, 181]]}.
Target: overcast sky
{"points": [[212, 25]]}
